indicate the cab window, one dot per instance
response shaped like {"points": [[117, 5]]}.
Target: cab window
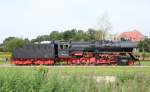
{"points": [[64, 46]]}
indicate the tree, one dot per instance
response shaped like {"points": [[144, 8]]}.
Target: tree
{"points": [[104, 25], [8, 39], [69, 34], [55, 35], [1, 48], [41, 38], [144, 46], [99, 35], [91, 34], [13, 44], [80, 35]]}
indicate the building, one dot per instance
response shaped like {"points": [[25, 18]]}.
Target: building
{"points": [[133, 35]]}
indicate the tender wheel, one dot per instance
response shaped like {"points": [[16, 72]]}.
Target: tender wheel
{"points": [[130, 63]]}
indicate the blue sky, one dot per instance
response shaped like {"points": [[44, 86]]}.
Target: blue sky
{"points": [[30, 18]]}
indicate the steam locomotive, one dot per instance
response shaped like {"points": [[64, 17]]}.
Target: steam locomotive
{"points": [[100, 52]]}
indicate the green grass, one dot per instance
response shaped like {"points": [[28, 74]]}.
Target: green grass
{"points": [[146, 54], [145, 63], [100, 70], [42, 79], [79, 70], [2, 62]]}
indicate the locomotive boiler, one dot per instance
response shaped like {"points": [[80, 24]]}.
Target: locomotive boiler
{"points": [[77, 53]]}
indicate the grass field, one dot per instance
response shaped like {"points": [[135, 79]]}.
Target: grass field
{"points": [[145, 63], [3, 61], [73, 78], [78, 79], [85, 70]]}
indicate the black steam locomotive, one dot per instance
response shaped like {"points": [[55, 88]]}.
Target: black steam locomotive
{"points": [[76, 53]]}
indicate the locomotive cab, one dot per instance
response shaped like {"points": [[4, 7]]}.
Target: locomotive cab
{"points": [[63, 49]]}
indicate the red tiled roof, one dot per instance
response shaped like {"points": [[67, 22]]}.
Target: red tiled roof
{"points": [[134, 35]]}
